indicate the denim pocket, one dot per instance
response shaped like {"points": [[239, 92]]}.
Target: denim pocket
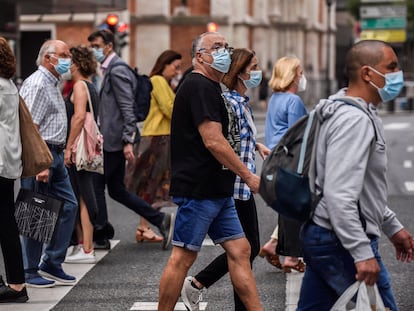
{"points": [[324, 254]]}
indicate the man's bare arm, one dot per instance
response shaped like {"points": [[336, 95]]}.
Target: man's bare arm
{"points": [[216, 143]]}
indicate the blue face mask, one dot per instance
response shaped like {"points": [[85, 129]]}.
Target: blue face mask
{"points": [[63, 65], [255, 79], [221, 60], [99, 54], [394, 82]]}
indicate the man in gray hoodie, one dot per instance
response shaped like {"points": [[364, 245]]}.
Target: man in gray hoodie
{"points": [[340, 243]]}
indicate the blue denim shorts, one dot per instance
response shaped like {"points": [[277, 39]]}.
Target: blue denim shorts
{"points": [[196, 218]]}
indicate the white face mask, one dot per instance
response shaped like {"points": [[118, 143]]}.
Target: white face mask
{"points": [[66, 76], [302, 84]]}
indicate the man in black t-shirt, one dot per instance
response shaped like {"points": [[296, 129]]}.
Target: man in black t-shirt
{"points": [[203, 168]]}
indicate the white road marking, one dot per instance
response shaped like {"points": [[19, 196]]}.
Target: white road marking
{"points": [[409, 185], [153, 306], [410, 148], [397, 126], [41, 299], [293, 284], [208, 242], [408, 164]]}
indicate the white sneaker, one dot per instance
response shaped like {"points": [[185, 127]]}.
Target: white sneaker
{"points": [[190, 295], [75, 249], [81, 257]]}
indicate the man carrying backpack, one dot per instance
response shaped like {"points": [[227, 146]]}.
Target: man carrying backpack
{"points": [[340, 242], [118, 124]]}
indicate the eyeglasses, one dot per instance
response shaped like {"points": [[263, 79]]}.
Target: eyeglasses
{"points": [[60, 55], [217, 48]]}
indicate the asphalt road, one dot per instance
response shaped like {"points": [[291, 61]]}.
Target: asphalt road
{"points": [[129, 274]]}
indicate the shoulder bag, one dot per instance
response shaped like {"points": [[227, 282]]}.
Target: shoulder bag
{"points": [[87, 151], [36, 155]]}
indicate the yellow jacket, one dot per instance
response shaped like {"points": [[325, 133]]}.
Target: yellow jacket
{"points": [[158, 121]]}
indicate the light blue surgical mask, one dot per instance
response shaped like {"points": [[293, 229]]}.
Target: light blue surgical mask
{"points": [[99, 54], [394, 82], [221, 60], [63, 65], [255, 79]]}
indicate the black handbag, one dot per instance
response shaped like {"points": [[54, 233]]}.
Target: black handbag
{"points": [[37, 215]]}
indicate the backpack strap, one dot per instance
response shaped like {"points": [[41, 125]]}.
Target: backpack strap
{"points": [[305, 142], [117, 64]]}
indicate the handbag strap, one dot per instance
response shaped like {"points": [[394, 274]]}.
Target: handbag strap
{"points": [[89, 98]]}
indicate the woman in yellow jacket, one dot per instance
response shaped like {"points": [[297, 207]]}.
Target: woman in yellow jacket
{"points": [[149, 176]]}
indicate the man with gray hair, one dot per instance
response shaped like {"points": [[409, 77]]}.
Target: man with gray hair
{"points": [[45, 102], [203, 168]]}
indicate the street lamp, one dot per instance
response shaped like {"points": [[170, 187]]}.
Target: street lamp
{"points": [[328, 49]]}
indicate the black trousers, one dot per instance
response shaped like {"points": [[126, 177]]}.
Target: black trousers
{"points": [[114, 173], [247, 213], [289, 243], [9, 234]]}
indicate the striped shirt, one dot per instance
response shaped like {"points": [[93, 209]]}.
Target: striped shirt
{"points": [[243, 112], [42, 95]]}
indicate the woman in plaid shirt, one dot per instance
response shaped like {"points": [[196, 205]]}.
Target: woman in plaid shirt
{"points": [[243, 74]]}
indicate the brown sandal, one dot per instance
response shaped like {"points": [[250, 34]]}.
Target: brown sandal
{"points": [[300, 267], [147, 235], [274, 260]]}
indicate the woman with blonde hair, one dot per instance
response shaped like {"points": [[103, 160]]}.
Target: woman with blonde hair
{"points": [[284, 109]]}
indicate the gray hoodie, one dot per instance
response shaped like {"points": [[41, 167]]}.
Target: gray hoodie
{"points": [[351, 166]]}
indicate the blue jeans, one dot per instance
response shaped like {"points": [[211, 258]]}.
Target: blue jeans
{"points": [[330, 270], [195, 218], [59, 186]]}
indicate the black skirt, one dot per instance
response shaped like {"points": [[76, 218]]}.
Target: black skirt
{"points": [[289, 243]]}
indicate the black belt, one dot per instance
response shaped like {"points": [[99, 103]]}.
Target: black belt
{"points": [[58, 148]]}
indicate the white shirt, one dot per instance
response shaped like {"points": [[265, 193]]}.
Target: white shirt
{"points": [[10, 144]]}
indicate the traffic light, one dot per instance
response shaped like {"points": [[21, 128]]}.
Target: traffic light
{"points": [[212, 27], [120, 31], [112, 22], [121, 35]]}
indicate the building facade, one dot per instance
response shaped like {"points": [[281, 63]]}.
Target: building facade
{"points": [[273, 28]]}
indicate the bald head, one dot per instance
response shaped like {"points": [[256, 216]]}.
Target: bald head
{"points": [[366, 52], [367, 64]]}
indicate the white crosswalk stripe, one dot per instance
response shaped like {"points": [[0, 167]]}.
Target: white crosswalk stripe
{"points": [[41, 299], [152, 306]]}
